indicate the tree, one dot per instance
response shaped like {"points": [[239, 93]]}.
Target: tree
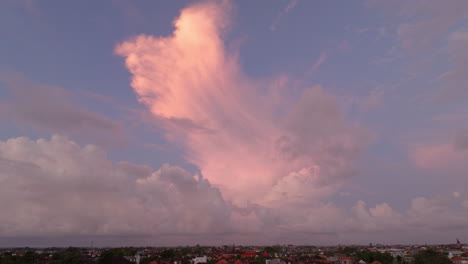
{"points": [[185, 251], [431, 256], [370, 256], [348, 250], [317, 256], [273, 249], [168, 254], [114, 255], [8, 258], [149, 259], [69, 256]]}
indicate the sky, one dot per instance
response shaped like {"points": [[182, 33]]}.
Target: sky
{"points": [[162, 123]]}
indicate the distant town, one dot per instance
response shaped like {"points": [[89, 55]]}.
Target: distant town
{"points": [[456, 253]]}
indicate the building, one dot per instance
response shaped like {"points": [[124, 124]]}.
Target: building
{"points": [[460, 260]]}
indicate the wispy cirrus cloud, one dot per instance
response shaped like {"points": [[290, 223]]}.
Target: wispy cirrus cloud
{"points": [[287, 9], [455, 80], [427, 29], [321, 59]]}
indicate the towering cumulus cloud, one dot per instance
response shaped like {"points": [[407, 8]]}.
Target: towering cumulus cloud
{"points": [[228, 124]]}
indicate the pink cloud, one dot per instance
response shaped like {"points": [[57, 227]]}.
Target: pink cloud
{"points": [[288, 8], [225, 121], [441, 157], [344, 46], [321, 59]]}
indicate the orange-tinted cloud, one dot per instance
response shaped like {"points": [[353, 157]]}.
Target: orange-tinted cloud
{"points": [[229, 124]]}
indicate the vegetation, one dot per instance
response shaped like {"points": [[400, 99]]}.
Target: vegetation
{"points": [[370, 256], [116, 255], [299, 255], [348, 251], [168, 254], [273, 249], [431, 256], [68, 256]]}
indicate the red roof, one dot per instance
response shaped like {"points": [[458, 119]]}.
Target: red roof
{"points": [[321, 261], [223, 261], [249, 254]]}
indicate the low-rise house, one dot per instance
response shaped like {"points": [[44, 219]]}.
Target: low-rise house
{"points": [[200, 260], [460, 260], [274, 261], [454, 253]]}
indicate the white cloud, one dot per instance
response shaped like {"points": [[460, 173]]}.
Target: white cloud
{"points": [[56, 187]]}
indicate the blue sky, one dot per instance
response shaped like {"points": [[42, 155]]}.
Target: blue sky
{"points": [[372, 93]]}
